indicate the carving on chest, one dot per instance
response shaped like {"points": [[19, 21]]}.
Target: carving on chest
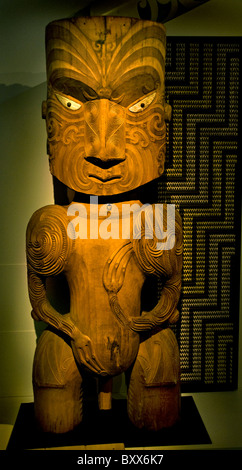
{"points": [[113, 279], [48, 246]]}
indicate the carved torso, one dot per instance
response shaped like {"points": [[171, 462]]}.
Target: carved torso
{"points": [[105, 279]]}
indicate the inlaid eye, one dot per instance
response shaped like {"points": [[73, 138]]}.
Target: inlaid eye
{"points": [[141, 105], [69, 104]]}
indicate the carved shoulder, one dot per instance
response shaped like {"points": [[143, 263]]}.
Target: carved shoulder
{"points": [[47, 243], [160, 246]]}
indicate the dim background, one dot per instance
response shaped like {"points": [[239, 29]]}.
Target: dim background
{"points": [[26, 183]]}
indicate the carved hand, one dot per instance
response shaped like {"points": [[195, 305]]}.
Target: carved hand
{"points": [[84, 352], [165, 312], [150, 320]]}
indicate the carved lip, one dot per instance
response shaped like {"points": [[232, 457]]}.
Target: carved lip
{"points": [[105, 180]]}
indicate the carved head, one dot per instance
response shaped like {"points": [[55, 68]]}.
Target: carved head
{"points": [[105, 112]]}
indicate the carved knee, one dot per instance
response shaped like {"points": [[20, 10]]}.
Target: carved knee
{"points": [[154, 389], [57, 385]]}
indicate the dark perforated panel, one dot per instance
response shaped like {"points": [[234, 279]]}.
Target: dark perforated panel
{"points": [[203, 180]]}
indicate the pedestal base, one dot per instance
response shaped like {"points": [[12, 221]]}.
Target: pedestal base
{"points": [[111, 427]]}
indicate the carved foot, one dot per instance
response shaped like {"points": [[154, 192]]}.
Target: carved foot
{"points": [[154, 390]]}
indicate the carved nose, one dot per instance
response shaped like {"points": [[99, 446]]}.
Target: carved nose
{"points": [[104, 135], [104, 164]]}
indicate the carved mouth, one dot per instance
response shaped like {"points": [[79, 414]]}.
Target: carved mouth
{"points": [[104, 164], [105, 180]]}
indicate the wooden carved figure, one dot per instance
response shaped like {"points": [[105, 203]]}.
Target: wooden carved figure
{"points": [[105, 117]]}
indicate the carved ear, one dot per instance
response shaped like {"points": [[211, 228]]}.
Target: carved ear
{"points": [[44, 109], [168, 111]]}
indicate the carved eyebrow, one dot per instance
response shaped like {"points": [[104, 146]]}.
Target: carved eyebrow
{"points": [[75, 88], [126, 93], [134, 89]]}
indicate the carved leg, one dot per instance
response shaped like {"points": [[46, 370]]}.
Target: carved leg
{"points": [[154, 390], [57, 385]]}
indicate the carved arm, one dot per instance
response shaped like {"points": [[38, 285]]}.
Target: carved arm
{"points": [[166, 264], [48, 252], [48, 249]]}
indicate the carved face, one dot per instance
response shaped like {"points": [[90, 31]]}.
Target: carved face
{"points": [[105, 108]]}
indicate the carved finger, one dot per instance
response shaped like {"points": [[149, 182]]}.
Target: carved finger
{"points": [[148, 321], [85, 354], [174, 317], [91, 359]]}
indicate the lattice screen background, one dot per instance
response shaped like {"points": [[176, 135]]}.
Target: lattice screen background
{"points": [[203, 179]]}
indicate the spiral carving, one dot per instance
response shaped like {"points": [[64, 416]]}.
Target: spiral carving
{"points": [[36, 289], [48, 245]]}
